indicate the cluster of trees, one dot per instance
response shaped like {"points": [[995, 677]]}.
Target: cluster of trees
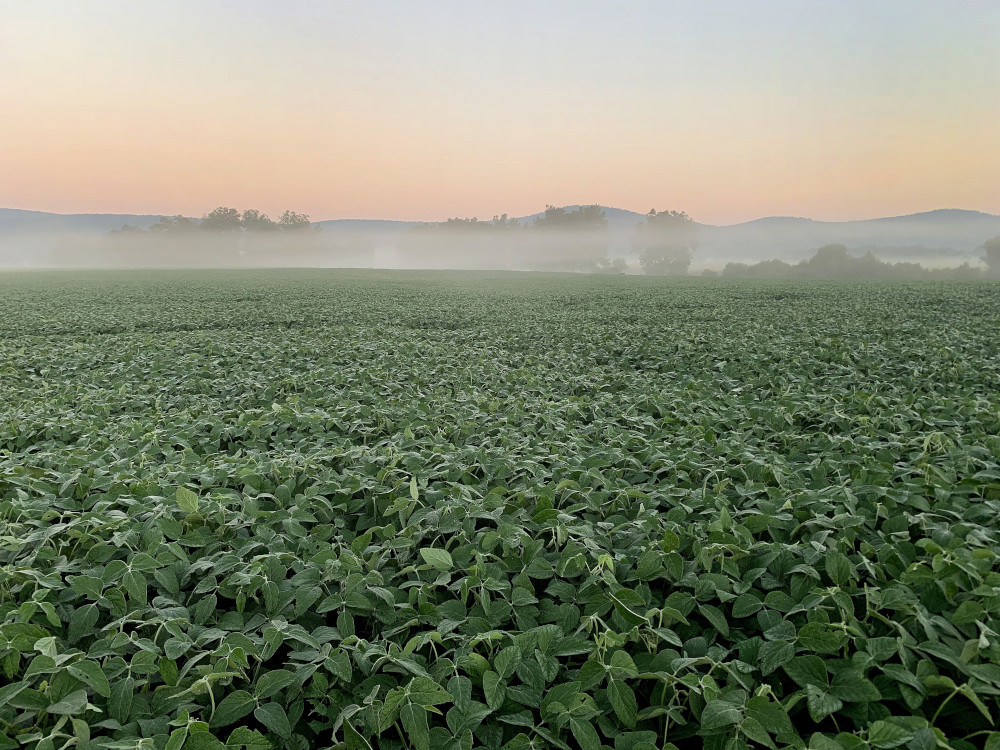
{"points": [[499, 226], [835, 262], [461, 243], [224, 219], [577, 240], [559, 239], [223, 237], [665, 243]]}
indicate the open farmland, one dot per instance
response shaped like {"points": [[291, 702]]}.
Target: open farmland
{"points": [[399, 510]]}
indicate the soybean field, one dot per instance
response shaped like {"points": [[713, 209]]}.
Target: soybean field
{"points": [[413, 511]]}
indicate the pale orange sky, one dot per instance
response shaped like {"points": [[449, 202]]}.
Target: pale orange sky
{"points": [[727, 110]]}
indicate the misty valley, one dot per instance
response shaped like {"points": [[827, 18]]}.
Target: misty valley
{"points": [[946, 244]]}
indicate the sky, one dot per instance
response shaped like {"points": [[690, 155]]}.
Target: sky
{"points": [[727, 109]]}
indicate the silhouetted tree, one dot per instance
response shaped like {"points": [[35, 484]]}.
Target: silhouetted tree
{"points": [[991, 254], [464, 243], [503, 224], [574, 240], [552, 218], [256, 221], [223, 237], [222, 219], [291, 221], [665, 242], [174, 225], [831, 261], [587, 218]]}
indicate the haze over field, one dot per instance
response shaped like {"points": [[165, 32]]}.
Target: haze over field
{"points": [[32, 239]]}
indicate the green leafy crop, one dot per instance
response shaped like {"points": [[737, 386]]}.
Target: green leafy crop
{"points": [[437, 512]]}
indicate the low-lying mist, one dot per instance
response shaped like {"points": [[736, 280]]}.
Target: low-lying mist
{"points": [[138, 250], [583, 239], [557, 251]]}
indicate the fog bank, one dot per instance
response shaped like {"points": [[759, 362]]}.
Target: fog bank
{"points": [[576, 238]]}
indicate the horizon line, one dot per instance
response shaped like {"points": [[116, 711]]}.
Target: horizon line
{"points": [[568, 205]]}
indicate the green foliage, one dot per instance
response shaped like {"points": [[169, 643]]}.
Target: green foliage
{"points": [[386, 510]]}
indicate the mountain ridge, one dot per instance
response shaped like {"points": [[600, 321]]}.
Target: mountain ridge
{"points": [[941, 236], [139, 219]]}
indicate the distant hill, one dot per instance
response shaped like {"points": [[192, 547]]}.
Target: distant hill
{"points": [[365, 225], [618, 218], [944, 236], [18, 221], [949, 232]]}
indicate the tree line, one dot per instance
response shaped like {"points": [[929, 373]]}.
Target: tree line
{"points": [[224, 219], [223, 237], [835, 262], [664, 243], [559, 239]]}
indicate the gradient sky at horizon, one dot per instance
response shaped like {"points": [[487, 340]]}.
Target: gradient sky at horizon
{"points": [[727, 109]]}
